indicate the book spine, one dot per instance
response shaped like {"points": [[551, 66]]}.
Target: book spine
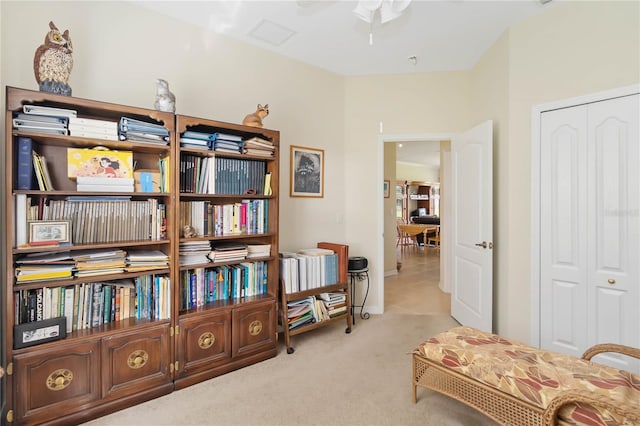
{"points": [[25, 163]]}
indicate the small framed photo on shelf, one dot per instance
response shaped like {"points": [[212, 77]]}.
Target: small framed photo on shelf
{"points": [[49, 232], [307, 172], [34, 333], [387, 188]]}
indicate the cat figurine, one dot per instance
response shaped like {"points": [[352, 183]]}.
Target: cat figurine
{"points": [[255, 119]]}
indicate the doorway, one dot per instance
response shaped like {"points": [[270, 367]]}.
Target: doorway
{"points": [[427, 270]]}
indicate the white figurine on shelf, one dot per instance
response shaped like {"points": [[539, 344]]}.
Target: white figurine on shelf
{"points": [[165, 100]]}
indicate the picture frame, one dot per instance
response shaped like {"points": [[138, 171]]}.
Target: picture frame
{"points": [[387, 188], [43, 232], [37, 332], [306, 178]]}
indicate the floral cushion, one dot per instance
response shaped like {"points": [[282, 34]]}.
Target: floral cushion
{"points": [[534, 375]]}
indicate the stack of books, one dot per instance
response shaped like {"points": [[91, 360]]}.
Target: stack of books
{"points": [[144, 260], [228, 252], [335, 303], [134, 130], [44, 266], [40, 119], [225, 142], [259, 146], [39, 272], [92, 128], [258, 250], [194, 252], [104, 184], [192, 139], [301, 312], [99, 262]]}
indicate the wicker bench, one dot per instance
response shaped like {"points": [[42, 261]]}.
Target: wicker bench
{"points": [[518, 385]]}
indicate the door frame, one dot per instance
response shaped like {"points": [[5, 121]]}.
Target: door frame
{"points": [[536, 112], [393, 138]]}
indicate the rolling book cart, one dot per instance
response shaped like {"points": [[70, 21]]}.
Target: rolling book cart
{"points": [[341, 286]]}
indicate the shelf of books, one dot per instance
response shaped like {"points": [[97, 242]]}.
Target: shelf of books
{"points": [[313, 289], [88, 255], [228, 241]]}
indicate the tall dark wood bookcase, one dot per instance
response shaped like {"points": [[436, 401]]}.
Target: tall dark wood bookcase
{"points": [[227, 333], [97, 370]]}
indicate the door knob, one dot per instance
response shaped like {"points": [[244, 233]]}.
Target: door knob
{"points": [[482, 244]]}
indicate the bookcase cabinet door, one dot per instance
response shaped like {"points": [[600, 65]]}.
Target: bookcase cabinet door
{"points": [[136, 361], [254, 328], [205, 341], [51, 383]]}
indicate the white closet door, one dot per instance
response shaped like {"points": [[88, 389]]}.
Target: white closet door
{"points": [[563, 226], [590, 228], [613, 221]]}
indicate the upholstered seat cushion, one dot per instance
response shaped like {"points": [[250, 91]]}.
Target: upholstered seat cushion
{"points": [[534, 375]]}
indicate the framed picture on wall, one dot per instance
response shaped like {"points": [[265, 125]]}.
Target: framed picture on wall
{"points": [[387, 188], [306, 178]]}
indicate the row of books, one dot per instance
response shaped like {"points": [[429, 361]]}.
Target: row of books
{"points": [[95, 220], [88, 305], [33, 168], [308, 269], [60, 121], [199, 286], [218, 175], [314, 309], [209, 219], [85, 263]]}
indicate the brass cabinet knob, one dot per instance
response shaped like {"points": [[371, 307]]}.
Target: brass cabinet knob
{"points": [[59, 379], [255, 328], [611, 281], [137, 359], [206, 340]]}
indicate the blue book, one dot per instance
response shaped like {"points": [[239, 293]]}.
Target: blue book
{"points": [[25, 163]]}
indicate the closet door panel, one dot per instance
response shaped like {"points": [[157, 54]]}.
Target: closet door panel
{"points": [[614, 221], [563, 237]]}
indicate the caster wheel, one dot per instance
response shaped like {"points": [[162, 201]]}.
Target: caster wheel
{"points": [[348, 330], [290, 351]]}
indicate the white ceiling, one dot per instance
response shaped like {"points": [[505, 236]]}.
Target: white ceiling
{"points": [[444, 35]]}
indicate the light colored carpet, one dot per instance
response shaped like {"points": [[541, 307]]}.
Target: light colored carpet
{"points": [[332, 378]]}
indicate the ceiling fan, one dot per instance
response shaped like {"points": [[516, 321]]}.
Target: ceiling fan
{"points": [[389, 9]]}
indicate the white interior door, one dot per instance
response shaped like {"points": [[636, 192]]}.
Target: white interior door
{"points": [[472, 227]]}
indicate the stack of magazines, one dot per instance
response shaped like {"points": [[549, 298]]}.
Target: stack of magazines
{"points": [[134, 130]]}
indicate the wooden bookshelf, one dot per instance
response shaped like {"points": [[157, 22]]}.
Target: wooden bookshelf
{"points": [[342, 286], [223, 332], [111, 364]]}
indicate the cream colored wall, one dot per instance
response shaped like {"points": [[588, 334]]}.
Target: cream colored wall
{"points": [[489, 98], [417, 172], [574, 49], [120, 49], [430, 103], [389, 210]]}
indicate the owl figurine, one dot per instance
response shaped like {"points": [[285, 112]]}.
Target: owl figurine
{"points": [[165, 100], [53, 62]]}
